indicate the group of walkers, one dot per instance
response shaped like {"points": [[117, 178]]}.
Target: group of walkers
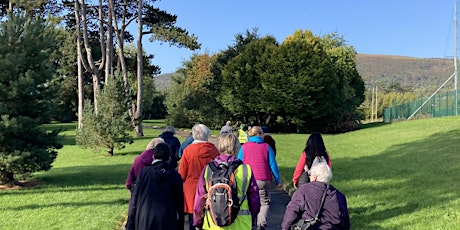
{"points": [[228, 186]]}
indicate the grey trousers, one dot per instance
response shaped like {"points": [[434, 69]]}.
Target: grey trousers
{"points": [[264, 192]]}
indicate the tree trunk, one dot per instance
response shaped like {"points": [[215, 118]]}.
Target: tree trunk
{"points": [[120, 42], [110, 151], [79, 67], [81, 96], [95, 91], [90, 65], [6, 177], [109, 47], [138, 112], [102, 41]]}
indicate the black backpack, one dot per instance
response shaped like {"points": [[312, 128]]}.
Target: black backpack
{"points": [[222, 201]]}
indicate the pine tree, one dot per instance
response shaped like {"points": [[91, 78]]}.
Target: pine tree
{"points": [[109, 127], [25, 48]]}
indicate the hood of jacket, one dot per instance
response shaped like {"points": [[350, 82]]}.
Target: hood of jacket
{"points": [[225, 158], [204, 149], [256, 139], [146, 156], [166, 135]]}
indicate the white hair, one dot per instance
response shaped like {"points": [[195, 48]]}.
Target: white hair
{"points": [[200, 132], [170, 129], [154, 142], [321, 170]]}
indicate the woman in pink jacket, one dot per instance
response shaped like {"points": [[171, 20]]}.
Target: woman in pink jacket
{"points": [[260, 156]]}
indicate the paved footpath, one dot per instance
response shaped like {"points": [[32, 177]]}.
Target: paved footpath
{"points": [[279, 201]]}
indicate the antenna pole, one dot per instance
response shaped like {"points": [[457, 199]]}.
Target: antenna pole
{"points": [[455, 60]]}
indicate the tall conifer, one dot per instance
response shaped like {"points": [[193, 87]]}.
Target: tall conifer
{"points": [[25, 48]]}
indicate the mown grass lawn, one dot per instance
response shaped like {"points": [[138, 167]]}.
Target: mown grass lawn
{"points": [[397, 176]]}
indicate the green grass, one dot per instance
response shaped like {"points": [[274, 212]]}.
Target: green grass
{"points": [[396, 176], [158, 123], [83, 190]]}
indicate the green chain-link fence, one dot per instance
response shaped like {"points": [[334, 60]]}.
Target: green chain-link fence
{"points": [[441, 104]]}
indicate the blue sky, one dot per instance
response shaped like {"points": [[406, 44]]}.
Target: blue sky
{"points": [[422, 28]]}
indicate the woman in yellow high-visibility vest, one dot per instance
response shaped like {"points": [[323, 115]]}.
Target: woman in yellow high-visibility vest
{"points": [[248, 191], [243, 133]]}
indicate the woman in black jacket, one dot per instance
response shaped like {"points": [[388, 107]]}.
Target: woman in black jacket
{"points": [[158, 197]]}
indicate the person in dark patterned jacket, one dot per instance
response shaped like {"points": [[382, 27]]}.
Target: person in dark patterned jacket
{"points": [[307, 199]]}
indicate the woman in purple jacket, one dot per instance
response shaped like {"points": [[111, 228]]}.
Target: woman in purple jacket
{"points": [[144, 159], [306, 201], [228, 148]]}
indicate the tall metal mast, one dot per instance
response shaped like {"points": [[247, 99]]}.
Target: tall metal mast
{"points": [[455, 59], [454, 75]]}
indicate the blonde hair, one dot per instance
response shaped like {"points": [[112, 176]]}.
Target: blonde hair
{"points": [[255, 131], [229, 144], [154, 142]]}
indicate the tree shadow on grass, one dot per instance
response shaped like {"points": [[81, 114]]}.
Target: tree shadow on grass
{"points": [[61, 126], [70, 139], [49, 188], [67, 139], [135, 153], [404, 179], [372, 125], [69, 204], [77, 179], [81, 176], [144, 138]]}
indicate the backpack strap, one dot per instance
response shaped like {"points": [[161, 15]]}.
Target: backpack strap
{"points": [[208, 174], [232, 166], [322, 202]]}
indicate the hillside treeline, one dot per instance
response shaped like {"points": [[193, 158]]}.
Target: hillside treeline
{"points": [[401, 79], [306, 83], [420, 75]]}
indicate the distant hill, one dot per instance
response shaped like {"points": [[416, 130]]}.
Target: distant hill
{"points": [[163, 81], [423, 75], [420, 74]]}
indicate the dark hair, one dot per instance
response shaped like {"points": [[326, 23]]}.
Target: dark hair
{"points": [[315, 147], [161, 151], [264, 129]]}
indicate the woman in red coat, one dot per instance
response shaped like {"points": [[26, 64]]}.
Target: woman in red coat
{"points": [[314, 148], [195, 157]]}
